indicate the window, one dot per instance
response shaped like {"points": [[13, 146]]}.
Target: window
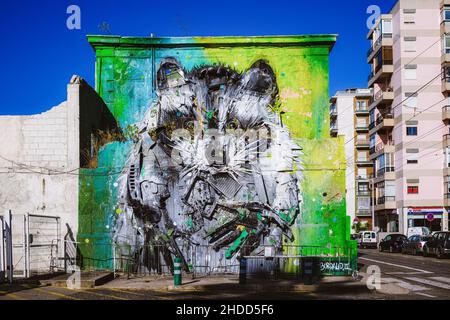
{"points": [[372, 141], [362, 156], [411, 131], [447, 187], [447, 157], [410, 44], [386, 27], [413, 190], [410, 100], [363, 188], [362, 173], [361, 105], [412, 156], [361, 123], [409, 16], [446, 14], [410, 72], [446, 45]]}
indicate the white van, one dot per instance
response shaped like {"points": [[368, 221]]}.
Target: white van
{"points": [[367, 239], [418, 231]]}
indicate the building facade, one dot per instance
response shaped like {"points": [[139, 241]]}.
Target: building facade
{"points": [[133, 79], [407, 122], [349, 117]]}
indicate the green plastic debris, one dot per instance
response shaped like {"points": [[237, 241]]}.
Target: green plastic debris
{"points": [[237, 243]]}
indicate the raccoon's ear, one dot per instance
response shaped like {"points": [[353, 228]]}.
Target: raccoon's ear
{"points": [[170, 74], [260, 78]]}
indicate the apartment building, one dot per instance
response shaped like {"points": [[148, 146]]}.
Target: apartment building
{"points": [[409, 116], [349, 116]]}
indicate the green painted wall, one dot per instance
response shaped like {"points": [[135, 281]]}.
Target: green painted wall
{"points": [[125, 72]]}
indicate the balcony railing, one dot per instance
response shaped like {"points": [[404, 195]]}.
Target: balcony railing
{"points": [[364, 177], [363, 193], [381, 118], [380, 146], [385, 62], [362, 109], [379, 94], [377, 43], [383, 200], [384, 170]]}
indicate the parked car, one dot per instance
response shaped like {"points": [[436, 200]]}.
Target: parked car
{"points": [[367, 239], [438, 244], [414, 244], [392, 242], [421, 231]]}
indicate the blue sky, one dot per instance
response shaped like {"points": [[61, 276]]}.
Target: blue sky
{"points": [[39, 54]]}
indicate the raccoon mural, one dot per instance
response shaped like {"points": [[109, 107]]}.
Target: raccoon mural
{"points": [[211, 165]]}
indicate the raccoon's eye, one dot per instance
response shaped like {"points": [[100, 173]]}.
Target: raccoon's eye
{"points": [[259, 83]]}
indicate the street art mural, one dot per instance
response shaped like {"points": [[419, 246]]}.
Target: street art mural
{"points": [[225, 146]]}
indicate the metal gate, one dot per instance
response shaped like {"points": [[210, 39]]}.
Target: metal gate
{"points": [[6, 268], [2, 251], [35, 245]]}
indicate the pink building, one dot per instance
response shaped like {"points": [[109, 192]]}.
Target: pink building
{"points": [[408, 116]]}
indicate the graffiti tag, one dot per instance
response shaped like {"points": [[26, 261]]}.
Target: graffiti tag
{"points": [[334, 266]]}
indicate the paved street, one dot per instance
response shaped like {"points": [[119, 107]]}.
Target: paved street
{"points": [[402, 277], [409, 277]]}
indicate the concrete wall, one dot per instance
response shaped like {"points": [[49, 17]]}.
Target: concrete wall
{"points": [[40, 160]]}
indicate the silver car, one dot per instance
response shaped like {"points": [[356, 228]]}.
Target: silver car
{"points": [[414, 244]]}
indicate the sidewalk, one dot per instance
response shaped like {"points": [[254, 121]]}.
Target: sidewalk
{"points": [[230, 283]]}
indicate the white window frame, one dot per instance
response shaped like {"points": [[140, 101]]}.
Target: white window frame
{"points": [[410, 72], [446, 44], [410, 100], [410, 44]]}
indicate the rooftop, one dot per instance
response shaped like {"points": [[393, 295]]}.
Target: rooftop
{"points": [[287, 40]]}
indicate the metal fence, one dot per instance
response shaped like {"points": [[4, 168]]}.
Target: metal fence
{"points": [[204, 260]]}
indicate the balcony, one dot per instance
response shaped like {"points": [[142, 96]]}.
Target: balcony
{"points": [[364, 162], [446, 142], [383, 124], [385, 203], [334, 130], [445, 27], [382, 72], [446, 113], [446, 79], [363, 212], [333, 111], [362, 144], [445, 3], [380, 148], [362, 111], [382, 99], [385, 174], [362, 128], [364, 178], [384, 40], [447, 200]]}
